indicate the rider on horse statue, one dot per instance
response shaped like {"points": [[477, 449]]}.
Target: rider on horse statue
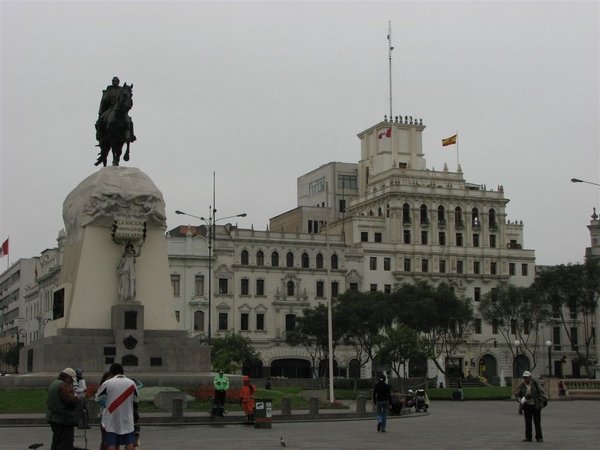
{"points": [[114, 127]]}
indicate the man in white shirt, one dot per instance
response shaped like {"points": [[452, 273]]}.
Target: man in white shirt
{"points": [[121, 396]]}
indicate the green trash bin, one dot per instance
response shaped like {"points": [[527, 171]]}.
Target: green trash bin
{"points": [[263, 408]]}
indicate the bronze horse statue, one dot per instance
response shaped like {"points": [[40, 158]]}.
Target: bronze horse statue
{"points": [[114, 128]]}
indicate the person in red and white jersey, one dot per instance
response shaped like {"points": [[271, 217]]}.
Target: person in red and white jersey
{"points": [[120, 396]]}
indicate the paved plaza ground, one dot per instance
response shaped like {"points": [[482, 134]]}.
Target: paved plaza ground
{"points": [[449, 425]]}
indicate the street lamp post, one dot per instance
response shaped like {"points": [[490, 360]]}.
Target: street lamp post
{"points": [[210, 224], [517, 368], [549, 345], [577, 180], [20, 332]]}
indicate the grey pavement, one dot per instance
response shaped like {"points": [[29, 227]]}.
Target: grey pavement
{"points": [[449, 425]]}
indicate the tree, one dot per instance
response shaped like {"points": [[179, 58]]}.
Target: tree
{"points": [[402, 343], [232, 352], [519, 313], [311, 332], [438, 314], [361, 317], [576, 288], [11, 357]]}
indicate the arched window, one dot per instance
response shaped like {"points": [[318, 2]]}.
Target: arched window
{"points": [[458, 219], [387, 210], [406, 213], [319, 261], [198, 320], [290, 322], [441, 215], [475, 218], [290, 288], [334, 261], [275, 259], [305, 261], [492, 218], [289, 260], [424, 218], [244, 258], [379, 212], [260, 258]]}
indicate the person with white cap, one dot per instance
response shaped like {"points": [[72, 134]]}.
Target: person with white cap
{"points": [[62, 403], [533, 398]]}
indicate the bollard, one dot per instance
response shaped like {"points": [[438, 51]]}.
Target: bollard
{"points": [[177, 412], [286, 407], [313, 405], [361, 404]]}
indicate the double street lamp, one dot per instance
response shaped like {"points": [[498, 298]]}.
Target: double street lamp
{"points": [[210, 224]]}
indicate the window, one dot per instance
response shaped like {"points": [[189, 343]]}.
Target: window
{"points": [[175, 284], [305, 260], [423, 215], [319, 261], [320, 289], [406, 213], [511, 269], [289, 259], [407, 264], [441, 215], [275, 259], [494, 294], [459, 239], [244, 258], [494, 268], [334, 261], [442, 266], [342, 205], [477, 294], [573, 312], [494, 326], [260, 258], [526, 326], [245, 286], [475, 222], [244, 321], [260, 287], [378, 237], [387, 288], [492, 241], [424, 265], [198, 321], [556, 338], [407, 236], [424, 237], [199, 285], [477, 326], [290, 288], [574, 339], [387, 264], [373, 263], [524, 270], [513, 326], [223, 286], [458, 220], [476, 268], [353, 287], [335, 289], [442, 238], [364, 236], [223, 321], [313, 226], [492, 218], [459, 267], [290, 322], [316, 186], [177, 315], [260, 321], [475, 240], [347, 182], [373, 287]]}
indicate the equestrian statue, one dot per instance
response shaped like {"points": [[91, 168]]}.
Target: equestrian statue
{"points": [[114, 127]]}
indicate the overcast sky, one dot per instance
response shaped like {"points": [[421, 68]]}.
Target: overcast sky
{"points": [[261, 93]]}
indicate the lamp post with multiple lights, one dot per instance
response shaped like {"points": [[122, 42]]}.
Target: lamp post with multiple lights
{"points": [[549, 345], [210, 224]]}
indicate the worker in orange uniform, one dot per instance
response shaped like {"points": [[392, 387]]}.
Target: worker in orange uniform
{"points": [[247, 399]]}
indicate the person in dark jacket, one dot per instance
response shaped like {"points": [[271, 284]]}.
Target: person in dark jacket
{"points": [[381, 399], [60, 414], [533, 398]]}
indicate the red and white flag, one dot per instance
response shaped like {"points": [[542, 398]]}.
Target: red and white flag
{"points": [[385, 134], [4, 249]]}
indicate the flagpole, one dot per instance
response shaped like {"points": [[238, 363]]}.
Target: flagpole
{"points": [[457, 159]]}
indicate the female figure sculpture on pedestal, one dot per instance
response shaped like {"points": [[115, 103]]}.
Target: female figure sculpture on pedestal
{"points": [[126, 271]]}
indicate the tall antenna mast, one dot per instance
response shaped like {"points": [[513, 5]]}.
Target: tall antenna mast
{"points": [[390, 48]]}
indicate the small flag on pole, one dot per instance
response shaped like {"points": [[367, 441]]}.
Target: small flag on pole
{"points": [[385, 134], [4, 249], [449, 141]]}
